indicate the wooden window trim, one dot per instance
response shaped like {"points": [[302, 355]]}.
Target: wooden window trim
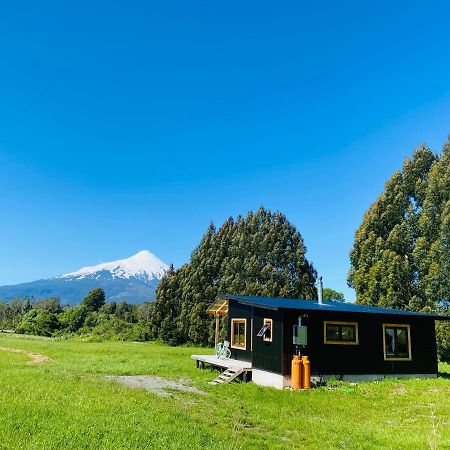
{"points": [[335, 322], [251, 334], [239, 347], [265, 339], [397, 325]]}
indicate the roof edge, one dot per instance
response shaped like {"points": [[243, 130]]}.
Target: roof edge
{"points": [[253, 301]]}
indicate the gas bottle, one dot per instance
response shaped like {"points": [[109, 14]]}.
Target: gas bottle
{"points": [[306, 376], [296, 372]]}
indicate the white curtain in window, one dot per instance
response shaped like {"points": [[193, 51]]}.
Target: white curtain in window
{"points": [[391, 333]]}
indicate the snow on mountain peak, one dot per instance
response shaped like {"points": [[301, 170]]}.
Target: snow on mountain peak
{"points": [[142, 265]]}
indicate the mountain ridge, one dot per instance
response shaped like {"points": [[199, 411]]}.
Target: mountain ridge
{"points": [[133, 280]]}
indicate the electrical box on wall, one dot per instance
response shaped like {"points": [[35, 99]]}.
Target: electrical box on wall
{"points": [[300, 335]]}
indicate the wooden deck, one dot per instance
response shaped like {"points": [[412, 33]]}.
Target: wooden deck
{"points": [[223, 364]]}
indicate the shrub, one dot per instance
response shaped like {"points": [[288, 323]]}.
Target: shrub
{"points": [[73, 319], [38, 322]]}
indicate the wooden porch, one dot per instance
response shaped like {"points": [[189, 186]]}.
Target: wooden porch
{"points": [[224, 365]]}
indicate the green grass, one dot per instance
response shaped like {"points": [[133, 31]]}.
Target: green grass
{"points": [[67, 403]]}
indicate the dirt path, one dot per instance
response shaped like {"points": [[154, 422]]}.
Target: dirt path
{"points": [[35, 357]]}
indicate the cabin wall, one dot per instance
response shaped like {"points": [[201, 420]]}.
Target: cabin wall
{"points": [[264, 355], [368, 356], [268, 356], [238, 311]]}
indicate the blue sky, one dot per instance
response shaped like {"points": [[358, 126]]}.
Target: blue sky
{"points": [[131, 125]]}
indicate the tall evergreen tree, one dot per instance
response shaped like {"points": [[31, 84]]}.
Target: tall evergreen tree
{"points": [[261, 254], [401, 252], [384, 266]]}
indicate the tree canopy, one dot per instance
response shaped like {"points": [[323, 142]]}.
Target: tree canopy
{"points": [[331, 294], [261, 254], [94, 300]]}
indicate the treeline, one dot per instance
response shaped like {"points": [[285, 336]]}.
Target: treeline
{"points": [[401, 253], [92, 319]]}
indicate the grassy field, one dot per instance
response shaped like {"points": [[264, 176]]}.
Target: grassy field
{"points": [[67, 403]]}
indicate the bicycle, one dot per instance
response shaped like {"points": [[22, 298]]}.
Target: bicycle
{"points": [[222, 350]]}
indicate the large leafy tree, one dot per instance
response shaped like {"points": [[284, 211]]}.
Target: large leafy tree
{"points": [[261, 254]]}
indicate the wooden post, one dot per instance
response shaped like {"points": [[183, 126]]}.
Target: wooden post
{"points": [[217, 331]]}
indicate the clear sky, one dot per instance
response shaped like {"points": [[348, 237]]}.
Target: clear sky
{"points": [[130, 125]]}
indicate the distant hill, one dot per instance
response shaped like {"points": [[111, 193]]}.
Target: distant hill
{"points": [[133, 280]]}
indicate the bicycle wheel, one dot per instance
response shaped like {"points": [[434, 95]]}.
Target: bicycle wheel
{"points": [[219, 350], [227, 353]]}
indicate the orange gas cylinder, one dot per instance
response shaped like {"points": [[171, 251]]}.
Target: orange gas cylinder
{"points": [[306, 376], [296, 372]]}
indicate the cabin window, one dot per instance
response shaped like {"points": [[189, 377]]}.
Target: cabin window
{"points": [[238, 333], [266, 330], [397, 342], [340, 333]]}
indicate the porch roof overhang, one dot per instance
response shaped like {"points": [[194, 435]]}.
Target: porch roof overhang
{"points": [[219, 307]]}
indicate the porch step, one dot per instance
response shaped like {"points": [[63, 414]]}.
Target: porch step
{"points": [[228, 376]]}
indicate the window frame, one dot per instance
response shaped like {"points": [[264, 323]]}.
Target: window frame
{"points": [[397, 325], [233, 345], [337, 322], [266, 320]]}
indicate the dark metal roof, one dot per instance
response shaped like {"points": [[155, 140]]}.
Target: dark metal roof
{"points": [[313, 305]]}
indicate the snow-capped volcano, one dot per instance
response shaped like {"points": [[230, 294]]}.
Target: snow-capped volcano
{"points": [[142, 265], [133, 280]]}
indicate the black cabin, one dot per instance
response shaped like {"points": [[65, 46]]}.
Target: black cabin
{"points": [[342, 340]]}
